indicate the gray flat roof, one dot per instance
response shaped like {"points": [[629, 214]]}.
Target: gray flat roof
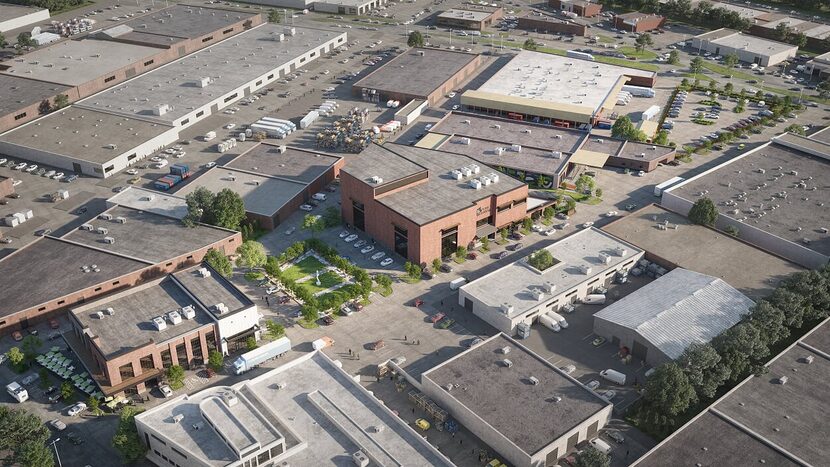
{"points": [[19, 92], [9, 11], [465, 15], [505, 399], [156, 202], [230, 63], [131, 325], [442, 195], [186, 21], [737, 40], [50, 268], [147, 236], [416, 75], [603, 145], [742, 174], [643, 151], [512, 284], [530, 159], [316, 395], [261, 194], [754, 272], [293, 164], [85, 134], [213, 290], [75, 62], [381, 162]]}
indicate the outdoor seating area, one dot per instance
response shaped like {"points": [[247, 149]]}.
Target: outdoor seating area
{"points": [[64, 367]]}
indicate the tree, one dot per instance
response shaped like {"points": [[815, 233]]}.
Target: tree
{"points": [[383, 281], [415, 39], [3, 42], [702, 366], [485, 243], [541, 259], [795, 129], [585, 184], [34, 454], [668, 394], [45, 107], [696, 65], [662, 138], [823, 89], [731, 230], [251, 255], [61, 101], [24, 39], [770, 321], [274, 16], [548, 213], [527, 224], [126, 440], [530, 44], [67, 392], [218, 261], [250, 343], [199, 203], [503, 234], [436, 265], [94, 405], [30, 347], [16, 358], [310, 312], [313, 224], [18, 429], [674, 57], [731, 60], [703, 212], [782, 32], [275, 330], [643, 40], [625, 129], [331, 217], [227, 210], [799, 39], [742, 349], [216, 361], [175, 377], [592, 457], [412, 270], [728, 88]]}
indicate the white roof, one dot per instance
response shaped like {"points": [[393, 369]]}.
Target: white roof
{"points": [[678, 309]]}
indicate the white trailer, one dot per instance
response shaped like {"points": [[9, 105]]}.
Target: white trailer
{"points": [[457, 283], [559, 319], [659, 189], [580, 55], [594, 299], [309, 119], [262, 354], [17, 391], [651, 112], [639, 91], [550, 323]]}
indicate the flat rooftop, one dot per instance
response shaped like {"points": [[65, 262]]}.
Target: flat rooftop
{"points": [[261, 194], [319, 405], [75, 62], [800, 216], [485, 151], [822, 135], [553, 78], [19, 92], [131, 326], [754, 272], [512, 284], [85, 134], [147, 236], [210, 291], [416, 75], [186, 21], [9, 11], [465, 15], [156, 202], [48, 269], [506, 400], [440, 196], [294, 164], [753, 44], [230, 64]]}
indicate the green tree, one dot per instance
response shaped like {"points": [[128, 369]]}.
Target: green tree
{"points": [[541, 259], [274, 16], [412, 270], [94, 405], [126, 440], [770, 321], [175, 377], [503, 234], [662, 138], [24, 39], [728, 88], [585, 184], [530, 44], [216, 361], [592, 457], [310, 313], [436, 265], [250, 343], [703, 212], [795, 129], [61, 101], [742, 349], [823, 89], [18, 428], [702, 366], [45, 107], [34, 454], [415, 39], [668, 393], [527, 224], [731, 60], [313, 223], [696, 65], [622, 127], [275, 330], [67, 391], [199, 203], [3, 41], [731, 230], [383, 281], [643, 40], [30, 347], [218, 261], [548, 213], [799, 39], [251, 255], [331, 217], [782, 32], [16, 358], [227, 210]]}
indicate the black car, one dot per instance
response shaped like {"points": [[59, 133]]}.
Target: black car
{"points": [[516, 236], [75, 438], [515, 247], [327, 320], [502, 255], [81, 210], [446, 268]]}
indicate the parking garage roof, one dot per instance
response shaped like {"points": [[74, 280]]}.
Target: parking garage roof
{"points": [[19, 92], [290, 164], [512, 284], [524, 413]]}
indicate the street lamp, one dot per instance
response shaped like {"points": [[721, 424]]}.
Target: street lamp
{"points": [[56, 451]]}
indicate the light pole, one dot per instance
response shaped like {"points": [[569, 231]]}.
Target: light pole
{"points": [[56, 451]]}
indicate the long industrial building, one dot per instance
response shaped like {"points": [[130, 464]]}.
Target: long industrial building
{"points": [[749, 49]]}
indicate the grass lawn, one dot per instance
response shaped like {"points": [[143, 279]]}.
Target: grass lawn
{"points": [[342, 293], [254, 276], [639, 55], [626, 63], [327, 280], [606, 39], [307, 324], [306, 267]]}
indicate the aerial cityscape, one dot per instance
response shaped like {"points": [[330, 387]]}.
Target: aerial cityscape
{"points": [[472, 233]]}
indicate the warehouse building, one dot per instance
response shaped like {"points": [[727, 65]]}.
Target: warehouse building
{"points": [[347, 7], [582, 8], [777, 418], [306, 412], [519, 293], [413, 75], [820, 66], [19, 16], [22, 99], [749, 49], [544, 24], [470, 16], [527, 410], [128, 339], [273, 181], [656, 323], [638, 22], [423, 204], [816, 33], [562, 91], [122, 247], [779, 200]]}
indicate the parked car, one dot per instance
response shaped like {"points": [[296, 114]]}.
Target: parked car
{"points": [[515, 247], [502, 255], [327, 320], [166, 391], [568, 369], [377, 256], [437, 317], [351, 238], [76, 409], [445, 268], [616, 436], [306, 207], [446, 323], [360, 243], [422, 424], [472, 342], [386, 262], [75, 438], [598, 341]]}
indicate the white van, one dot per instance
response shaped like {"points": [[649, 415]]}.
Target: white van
{"points": [[614, 376], [559, 319], [594, 299], [319, 196], [601, 446], [550, 323], [457, 283]]}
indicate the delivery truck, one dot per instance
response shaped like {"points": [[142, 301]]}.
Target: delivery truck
{"points": [[550, 323], [17, 391], [262, 354], [594, 299], [559, 319]]}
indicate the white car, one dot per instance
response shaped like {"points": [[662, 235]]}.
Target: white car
{"points": [[378, 255], [58, 176], [456, 107], [169, 150], [568, 369], [131, 172], [166, 390], [549, 232], [611, 213], [210, 165], [351, 238], [31, 168], [344, 234], [271, 290], [49, 174], [290, 230], [386, 262], [587, 224], [76, 409], [367, 249], [3, 160], [155, 159], [360, 243], [641, 174], [20, 166], [230, 126], [593, 385], [306, 207], [57, 425]]}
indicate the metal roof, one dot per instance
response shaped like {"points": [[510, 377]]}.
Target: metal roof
{"points": [[678, 309]]}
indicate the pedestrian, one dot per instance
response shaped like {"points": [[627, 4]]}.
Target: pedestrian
{"points": [[626, 453], [442, 302], [358, 356], [350, 351], [413, 409], [404, 338], [460, 440], [268, 301]]}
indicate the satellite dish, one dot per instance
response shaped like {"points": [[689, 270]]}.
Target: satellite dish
{"points": [[36, 31]]}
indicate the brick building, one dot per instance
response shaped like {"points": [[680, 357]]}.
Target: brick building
{"points": [[423, 204], [470, 16], [550, 25], [638, 22], [582, 8]]}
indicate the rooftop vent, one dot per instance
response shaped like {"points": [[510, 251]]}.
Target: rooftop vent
{"points": [[533, 380], [808, 359], [204, 272], [189, 312], [620, 251], [102, 230], [538, 295], [505, 350], [377, 180], [174, 317], [556, 154], [506, 308], [507, 363], [109, 240], [160, 324], [86, 227], [178, 418], [229, 398], [99, 314], [516, 147], [121, 220], [475, 184], [604, 258], [585, 269], [221, 308], [549, 287], [105, 216]]}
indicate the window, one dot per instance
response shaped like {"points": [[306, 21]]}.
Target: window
{"points": [[628, 264], [207, 39], [97, 289], [169, 264], [401, 241], [177, 452], [181, 355], [107, 80], [131, 156], [185, 121], [200, 113], [302, 59], [449, 241], [263, 457], [231, 97], [147, 363], [271, 76], [41, 308], [258, 83], [312, 54], [109, 169], [61, 302], [149, 62], [358, 215], [116, 282], [126, 371], [227, 31], [196, 347], [166, 359], [210, 340], [19, 116]]}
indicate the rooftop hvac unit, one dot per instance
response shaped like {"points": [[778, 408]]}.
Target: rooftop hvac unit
{"points": [[204, 272], [533, 380], [148, 198], [360, 459], [475, 168], [556, 154], [497, 126], [620, 251], [111, 146], [86, 227], [783, 380], [549, 287], [485, 181], [516, 147], [230, 398], [465, 141], [281, 149], [221, 308], [121, 220], [527, 130], [506, 308], [808, 359], [494, 177], [466, 171], [599, 140], [289, 31], [160, 324], [189, 312], [99, 314], [110, 311], [202, 82], [178, 418], [105, 216], [109, 240], [585, 269], [505, 350], [538, 295], [377, 180], [103, 230], [476, 184], [162, 109], [282, 385], [174, 317], [507, 363], [604, 258], [499, 151]]}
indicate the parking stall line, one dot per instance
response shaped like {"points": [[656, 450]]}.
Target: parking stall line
{"points": [[587, 336]]}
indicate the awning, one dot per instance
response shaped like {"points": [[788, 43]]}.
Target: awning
{"points": [[535, 203], [589, 158], [485, 230]]}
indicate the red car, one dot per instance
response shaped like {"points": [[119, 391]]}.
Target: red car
{"points": [[418, 302], [472, 255], [17, 336], [53, 323], [437, 317]]}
